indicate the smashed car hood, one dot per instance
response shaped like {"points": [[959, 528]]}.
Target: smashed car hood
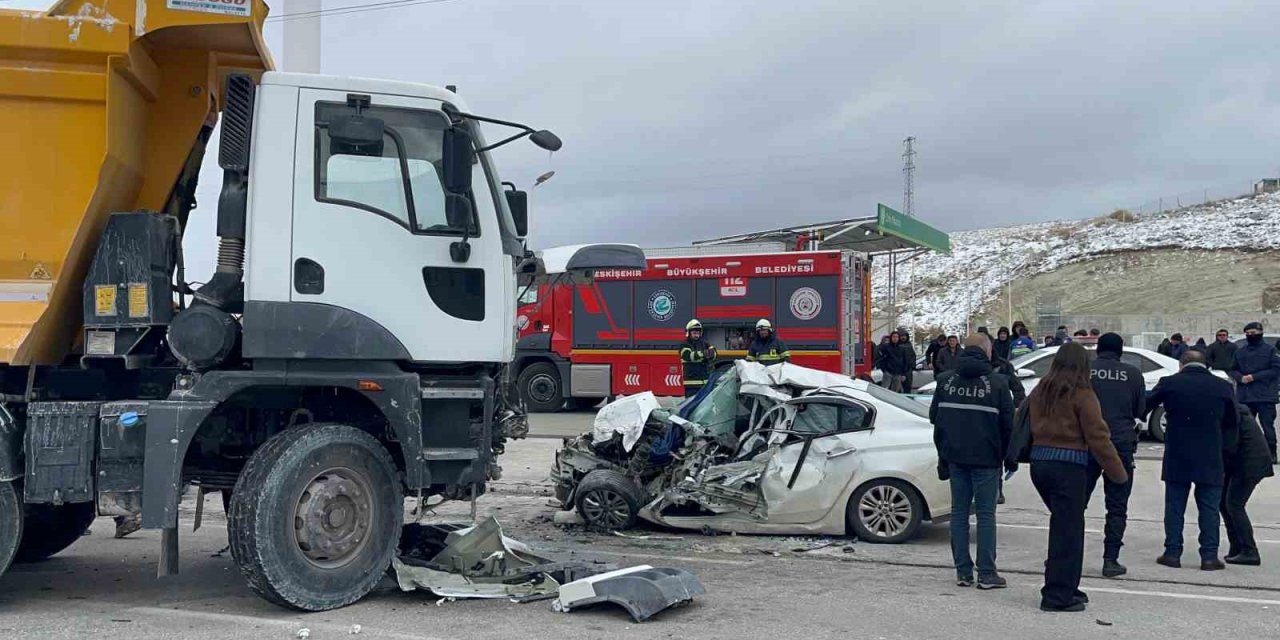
{"points": [[626, 416]]}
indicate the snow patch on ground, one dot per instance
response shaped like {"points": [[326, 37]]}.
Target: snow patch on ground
{"points": [[982, 262]]}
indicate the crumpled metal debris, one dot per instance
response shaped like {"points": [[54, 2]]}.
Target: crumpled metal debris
{"points": [[643, 591], [626, 416], [457, 561]]}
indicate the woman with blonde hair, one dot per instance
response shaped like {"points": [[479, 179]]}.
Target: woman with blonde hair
{"points": [[1066, 429]]}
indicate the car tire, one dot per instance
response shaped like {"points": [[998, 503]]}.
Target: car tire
{"points": [[11, 514], [608, 500], [1155, 424], [48, 529], [541, 387], [283, 508], [885, 511]]}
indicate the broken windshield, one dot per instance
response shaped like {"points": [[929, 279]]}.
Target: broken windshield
{"points": [[717, 413]]}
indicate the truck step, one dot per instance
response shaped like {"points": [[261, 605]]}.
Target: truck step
{"points": [[449, 453]]}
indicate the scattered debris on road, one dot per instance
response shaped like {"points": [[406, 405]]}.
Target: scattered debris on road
{"points": [[643, 591]]}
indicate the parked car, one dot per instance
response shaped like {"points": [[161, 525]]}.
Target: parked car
{"points": [[769, 450], [1033, 366]]}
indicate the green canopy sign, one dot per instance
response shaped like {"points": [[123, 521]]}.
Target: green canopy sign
{"points": [[895, 223]]}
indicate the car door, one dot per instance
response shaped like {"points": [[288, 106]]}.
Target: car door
{"points": [[1152, 371], [807, 475], [371, 234]]}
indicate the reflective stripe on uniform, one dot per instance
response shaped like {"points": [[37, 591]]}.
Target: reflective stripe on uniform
{"points": [[968, 407], [694, 383]]}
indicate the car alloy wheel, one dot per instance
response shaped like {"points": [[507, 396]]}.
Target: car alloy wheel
{"points": [[885, 510]]}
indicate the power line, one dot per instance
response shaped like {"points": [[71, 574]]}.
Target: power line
{"points": [[349, 9]]}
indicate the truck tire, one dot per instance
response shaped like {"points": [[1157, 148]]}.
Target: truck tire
{"points": [[541, 387], [315, 517], [1156, 424], [608, 500], [10, 523], [48, 529]]}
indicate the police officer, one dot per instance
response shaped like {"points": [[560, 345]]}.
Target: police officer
{"points": [[1123, 398], [767, 348], [696, 355]]}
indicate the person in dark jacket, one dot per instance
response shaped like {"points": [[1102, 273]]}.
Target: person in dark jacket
{"points": [[931, 354], [1022, 344], [1060, 337], [889, 362], [1122, 395], [1165, 347], [1019, 393], [1003, 343], [1177, 346], [1067, 429], [1201, 412], [767, 348], [972, 416], [696, 357], [1256, 370], [949, 356], [1222, 353], [908, 359], [1244, 470]]}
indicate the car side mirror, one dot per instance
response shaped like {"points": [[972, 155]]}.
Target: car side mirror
{"points": [[1025, 373], [457, 157], [518, 203]]}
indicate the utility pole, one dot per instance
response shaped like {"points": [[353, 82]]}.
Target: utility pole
{"points": [[302, 36], [909, 176]]}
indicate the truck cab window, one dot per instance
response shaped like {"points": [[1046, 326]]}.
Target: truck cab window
{"points": [[401, 184]]}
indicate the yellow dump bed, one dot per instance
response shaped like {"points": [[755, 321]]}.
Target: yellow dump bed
{"points": [[101, 102]]}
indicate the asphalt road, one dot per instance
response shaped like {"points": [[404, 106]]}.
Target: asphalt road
{"points": [[757, 586]]}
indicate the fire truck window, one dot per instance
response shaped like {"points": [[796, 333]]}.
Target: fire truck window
{"points": [[530, 296]]}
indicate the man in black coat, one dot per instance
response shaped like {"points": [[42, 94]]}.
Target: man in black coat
{"points": [[972, 416], [1256, 370], [1244, 470], [931, 353], [908, 359], [889, 362], [948, 357], [1222, 353], [1122, 394], [1201, 411]]}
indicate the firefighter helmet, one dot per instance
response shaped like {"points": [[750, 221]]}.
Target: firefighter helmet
{"points": [[693, 324], [764, 324]]}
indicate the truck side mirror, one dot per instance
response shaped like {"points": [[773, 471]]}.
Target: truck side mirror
{"points": [[518, 203], [458, 156]]}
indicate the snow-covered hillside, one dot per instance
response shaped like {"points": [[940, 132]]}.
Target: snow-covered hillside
{"points": [[946, 288]]}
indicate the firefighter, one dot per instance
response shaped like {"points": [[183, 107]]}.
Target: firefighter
{"points": [[696, 355], [767, 348]]}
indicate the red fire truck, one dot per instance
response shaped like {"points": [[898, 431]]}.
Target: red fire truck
{"points": [[620, 334]]}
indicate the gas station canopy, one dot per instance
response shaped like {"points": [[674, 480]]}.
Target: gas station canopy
{"points": [[888, 231]]}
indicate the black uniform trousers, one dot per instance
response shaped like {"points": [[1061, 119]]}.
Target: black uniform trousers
{"points": [[1235, 496], [1117, 502]]}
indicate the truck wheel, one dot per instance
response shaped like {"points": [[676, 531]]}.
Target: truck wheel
{"points": [[1156, 424], [541, 387], [48, 529], [10, 523], [608, 500], [315, 517]]}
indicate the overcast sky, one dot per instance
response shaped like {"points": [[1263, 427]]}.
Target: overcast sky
{"points": [[697, 118]]}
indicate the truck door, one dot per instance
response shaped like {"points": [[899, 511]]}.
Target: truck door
{"points": [[370, 233]]}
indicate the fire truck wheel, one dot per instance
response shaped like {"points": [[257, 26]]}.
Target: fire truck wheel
{"points": [[48, 529], [315, 517], [541, 387], [10, 523]]}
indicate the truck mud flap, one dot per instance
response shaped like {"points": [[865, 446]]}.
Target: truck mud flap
{"points": [[643, 591]]}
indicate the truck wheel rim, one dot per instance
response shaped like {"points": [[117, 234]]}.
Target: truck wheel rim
{"points": [[334, 515], [605, 508], [542, 388], [885, 511]]}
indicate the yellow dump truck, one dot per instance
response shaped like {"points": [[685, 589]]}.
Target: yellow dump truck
{"points": [[350, 346]]}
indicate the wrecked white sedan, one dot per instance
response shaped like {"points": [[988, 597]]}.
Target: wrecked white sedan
{"points": [[770, 450]]}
